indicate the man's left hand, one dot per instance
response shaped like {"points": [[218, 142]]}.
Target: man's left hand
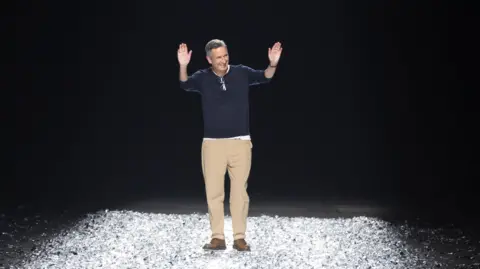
{"points": [[274, 53]]}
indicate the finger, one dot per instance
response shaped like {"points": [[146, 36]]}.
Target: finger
{"points": [[183, 47]]}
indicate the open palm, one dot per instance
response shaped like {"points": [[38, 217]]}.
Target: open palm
{"points": [[183, 54], [274, 53]]}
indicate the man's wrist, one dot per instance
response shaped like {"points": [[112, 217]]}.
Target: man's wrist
{"points": [[272, 65]]}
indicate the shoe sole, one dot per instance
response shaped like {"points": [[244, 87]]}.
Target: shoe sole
{"points": [[241, 249], [216, 248]]}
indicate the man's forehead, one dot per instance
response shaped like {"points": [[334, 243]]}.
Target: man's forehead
{"points": [[220, 51]]}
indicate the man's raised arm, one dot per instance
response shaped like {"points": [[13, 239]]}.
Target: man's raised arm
{"points": [[274, 54], [188, 83], [183, 76]]}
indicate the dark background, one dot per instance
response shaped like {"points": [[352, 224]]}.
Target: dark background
{"points": [[372, 100]]}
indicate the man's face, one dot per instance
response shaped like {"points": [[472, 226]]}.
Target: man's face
{"points": [[219, 59]]}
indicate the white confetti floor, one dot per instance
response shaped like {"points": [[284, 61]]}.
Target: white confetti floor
{"points": [[128, 239]]}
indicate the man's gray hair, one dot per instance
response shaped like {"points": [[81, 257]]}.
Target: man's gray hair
{"points": [[213, 44]]}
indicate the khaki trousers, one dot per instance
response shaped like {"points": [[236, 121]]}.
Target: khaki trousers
{"points": [[218, 157]]}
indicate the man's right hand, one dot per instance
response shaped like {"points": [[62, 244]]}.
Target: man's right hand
{"points": [[183, 55]]}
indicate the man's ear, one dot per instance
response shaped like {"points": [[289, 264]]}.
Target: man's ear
{"points": [[208, 59]]}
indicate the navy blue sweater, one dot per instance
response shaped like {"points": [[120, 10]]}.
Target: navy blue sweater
{"points": [[225, 99]]}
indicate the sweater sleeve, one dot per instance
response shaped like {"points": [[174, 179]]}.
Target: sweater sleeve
{"points": [[193, 83], [255, 76]]}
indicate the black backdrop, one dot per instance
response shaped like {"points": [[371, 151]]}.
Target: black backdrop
{"points": [[371, 100]]}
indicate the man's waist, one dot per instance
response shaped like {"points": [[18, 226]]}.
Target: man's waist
{"points": [[242, 137], [223, 131]]}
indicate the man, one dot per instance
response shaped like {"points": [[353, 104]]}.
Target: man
{"points": [[226, 145]]}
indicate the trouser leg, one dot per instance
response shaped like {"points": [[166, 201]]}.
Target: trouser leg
{"points": [[239, 164], [214, 165]]}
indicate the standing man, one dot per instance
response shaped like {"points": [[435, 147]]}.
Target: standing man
{"points": [[226, 145]]}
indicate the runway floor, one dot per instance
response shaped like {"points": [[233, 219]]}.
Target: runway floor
{"points": [[170, 233]]}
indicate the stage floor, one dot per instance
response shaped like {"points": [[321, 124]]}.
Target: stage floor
{"points": [[283, 233]]}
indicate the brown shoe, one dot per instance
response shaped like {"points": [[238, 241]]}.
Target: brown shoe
{"points": [[241, 245], [215, 244]]}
